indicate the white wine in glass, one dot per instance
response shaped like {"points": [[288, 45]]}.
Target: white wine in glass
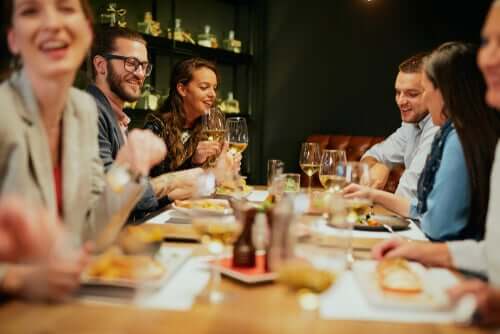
{"points": [[213, 128], [309, 160], [237, 147], [332, 170], [216, 233], [236, 134]]}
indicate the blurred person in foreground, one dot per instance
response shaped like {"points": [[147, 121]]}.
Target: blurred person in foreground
{"points": [[453, 188], [49, 153], [480, 257]]}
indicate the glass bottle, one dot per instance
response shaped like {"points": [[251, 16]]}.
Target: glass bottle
{"points": [[207, 39], [231, 43], [231, 106], [244, 249], [178, 32]]}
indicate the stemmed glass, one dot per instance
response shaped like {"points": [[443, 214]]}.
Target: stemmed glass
{"points": [[216, 233], [213, 128], [359, 173], [237, 134], [332, 170], [310, 156], [316, 261]]}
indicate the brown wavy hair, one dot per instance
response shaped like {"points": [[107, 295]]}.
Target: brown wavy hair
{"points": [[172, 113]]}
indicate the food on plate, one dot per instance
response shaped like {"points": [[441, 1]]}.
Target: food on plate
{"points": [[367, 220], [141, 239], [207, 204], [229, 187], [115, 265], [301, 275], [396, 275]]}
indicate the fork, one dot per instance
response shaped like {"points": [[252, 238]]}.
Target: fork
{"points": [[388, 228]]}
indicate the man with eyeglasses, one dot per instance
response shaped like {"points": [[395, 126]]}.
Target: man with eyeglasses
{"points": [[120, 67]]}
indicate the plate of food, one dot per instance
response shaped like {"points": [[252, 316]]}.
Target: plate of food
{"points": [[117, 269], [374, 222], [398, 283], [205, 206]]}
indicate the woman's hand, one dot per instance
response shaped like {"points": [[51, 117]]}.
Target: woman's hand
{"points": [[354, 190], [205, 150], [54, 279], [142, 151], [430, 254], [487, 299], [25, 233]]}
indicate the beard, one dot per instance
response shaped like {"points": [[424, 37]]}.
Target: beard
{"points": [[114, 81]]}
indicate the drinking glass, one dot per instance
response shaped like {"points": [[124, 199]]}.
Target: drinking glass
{"points": [[274, 168], [213, 128], [317, 260], [310, 156], [358, 208], [216, 233], [291, 182], [332, 170], [359, 173], [237, 134]]}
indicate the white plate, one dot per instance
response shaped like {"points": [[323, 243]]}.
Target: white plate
{"points": [[195, 212], [433, 297], [171, 258]]}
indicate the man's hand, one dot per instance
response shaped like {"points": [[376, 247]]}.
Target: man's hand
{"points": [[205, 150], [141, 152], [379, 174]]}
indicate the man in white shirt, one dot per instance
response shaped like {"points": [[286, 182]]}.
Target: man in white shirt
{"points": [[411, 143]]}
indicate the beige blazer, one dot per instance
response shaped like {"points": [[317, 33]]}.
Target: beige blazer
{"points": [[26, 168]]}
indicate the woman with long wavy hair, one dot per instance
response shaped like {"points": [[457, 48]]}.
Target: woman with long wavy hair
{"points": [[193, 90]]}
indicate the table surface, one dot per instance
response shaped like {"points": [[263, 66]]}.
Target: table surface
{"points": [[268, 308]]}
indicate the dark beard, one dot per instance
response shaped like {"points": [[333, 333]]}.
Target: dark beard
{"points": [[114, 81]]}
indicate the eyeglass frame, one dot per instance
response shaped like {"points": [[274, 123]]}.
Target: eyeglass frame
{"points": [[145, 65]]}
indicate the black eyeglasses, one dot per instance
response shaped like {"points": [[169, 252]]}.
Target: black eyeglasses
{"points": [[132, 64]]}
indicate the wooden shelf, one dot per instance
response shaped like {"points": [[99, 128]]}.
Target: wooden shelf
{"points": [[165, 46]]}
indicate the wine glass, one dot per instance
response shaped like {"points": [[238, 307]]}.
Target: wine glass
{"points": [[213, 128], [332, 170], [359, 173], [236, 134], [216, 233], [358, 208], [310, 156], [317, 261]]}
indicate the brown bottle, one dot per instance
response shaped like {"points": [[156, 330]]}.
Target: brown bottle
{"points": [[244, 249]]}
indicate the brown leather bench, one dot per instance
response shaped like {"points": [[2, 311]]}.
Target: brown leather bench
{"points": [[355, 147]]}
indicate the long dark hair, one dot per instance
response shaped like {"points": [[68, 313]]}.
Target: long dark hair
{"points": [[452, 69]]}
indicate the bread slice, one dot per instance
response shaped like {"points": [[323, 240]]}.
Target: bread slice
{"points": [[396, 275]]}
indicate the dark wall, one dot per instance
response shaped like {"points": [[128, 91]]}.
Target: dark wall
{"points": [[331, 65]]}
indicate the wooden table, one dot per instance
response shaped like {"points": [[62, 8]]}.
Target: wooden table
{"points": [[253, 309]]}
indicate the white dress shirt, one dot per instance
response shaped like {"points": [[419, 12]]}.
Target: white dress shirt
{"points": [[483, 256], [409, 145]]}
